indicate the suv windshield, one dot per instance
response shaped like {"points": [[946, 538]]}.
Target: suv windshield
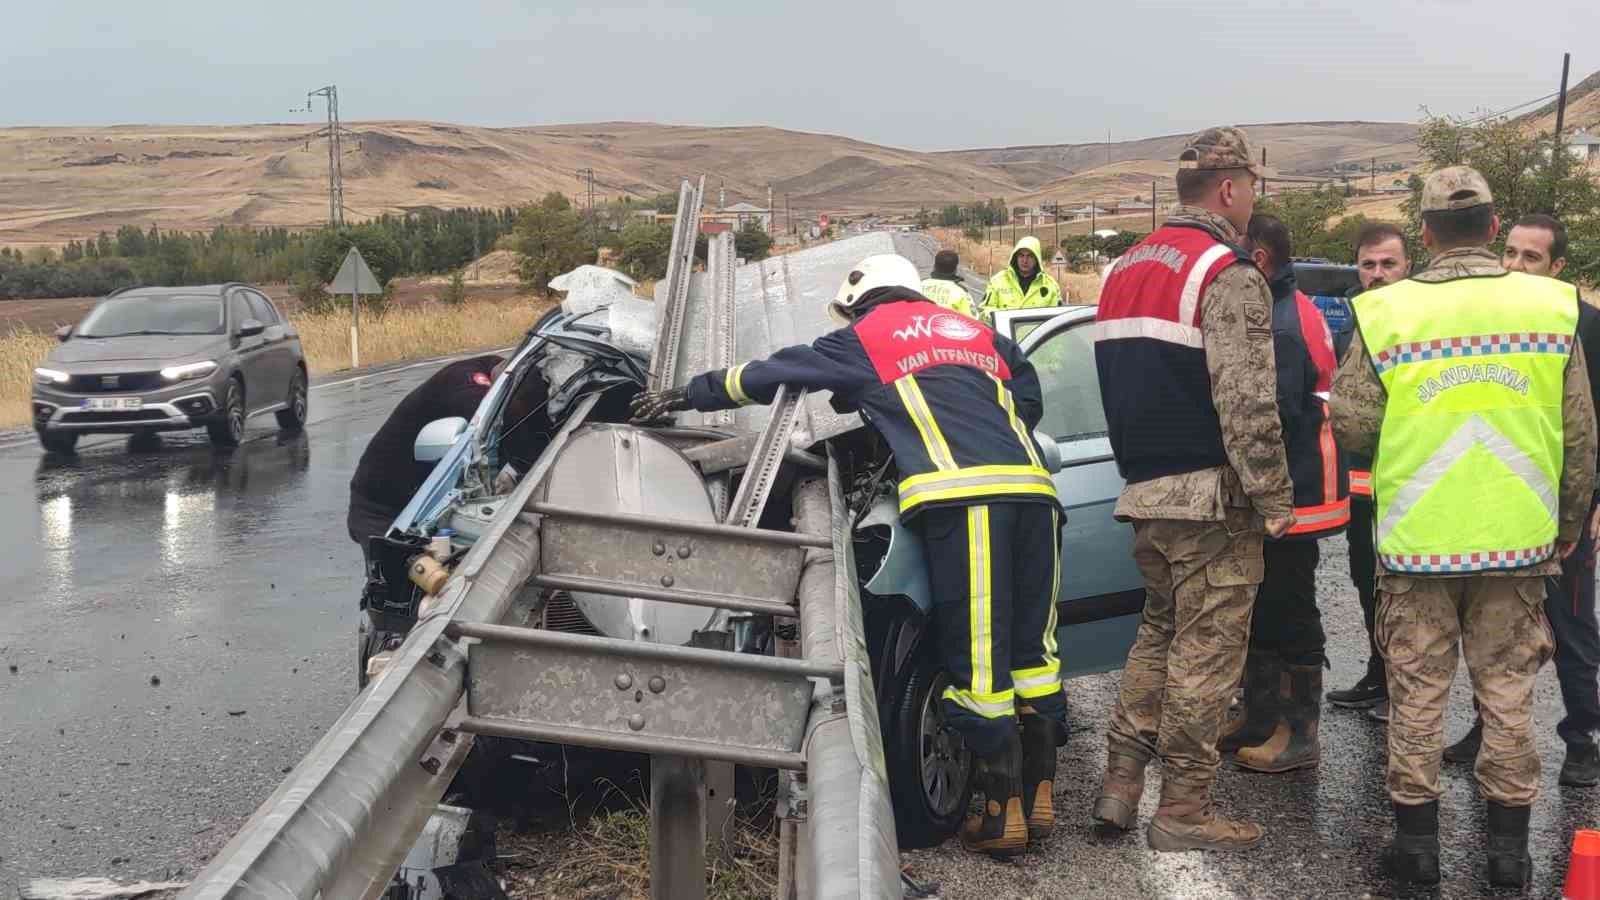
{"points": [[153, 315]]}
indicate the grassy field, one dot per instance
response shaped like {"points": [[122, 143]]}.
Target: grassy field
{"points": [[410, 332]]}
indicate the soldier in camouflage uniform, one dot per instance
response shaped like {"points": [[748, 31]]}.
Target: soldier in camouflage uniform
{"points": [[1184, 350], [1491, 603]]}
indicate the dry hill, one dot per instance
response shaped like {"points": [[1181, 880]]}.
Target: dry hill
{"points": [[58, 184], [1583, 108]]}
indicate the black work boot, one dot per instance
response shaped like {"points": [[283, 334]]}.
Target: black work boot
{"points": [[1368, 692], [1581, 768], [1510, 864], [1293, 744], [1040, 738], [1259, 713], [1000, 829], [1465, 751], [1414, 855]]}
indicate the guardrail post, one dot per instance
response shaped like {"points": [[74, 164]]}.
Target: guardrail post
{"points": [[677, 828]]}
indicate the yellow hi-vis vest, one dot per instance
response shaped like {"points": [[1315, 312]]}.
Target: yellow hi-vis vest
{"points": [[949, 295], [1468, 466]]}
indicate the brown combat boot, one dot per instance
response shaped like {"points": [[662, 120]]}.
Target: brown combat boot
{"points": [[1040, 738], [1258, 714], [1120, 790], [1001, 829], [1294, 743], [1188, 820]]}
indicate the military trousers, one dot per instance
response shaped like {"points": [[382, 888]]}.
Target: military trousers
{"points": [[1499, 623], [995, 571], [1200, 589]]}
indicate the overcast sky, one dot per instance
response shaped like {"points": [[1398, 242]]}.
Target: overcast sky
{"points": [[926, 75]]}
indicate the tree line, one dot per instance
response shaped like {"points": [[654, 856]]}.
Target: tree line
{"points": [[427, 241]]}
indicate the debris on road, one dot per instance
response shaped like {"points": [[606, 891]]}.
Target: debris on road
{"points": [[155, 680], [236, 712], [94, 889]]}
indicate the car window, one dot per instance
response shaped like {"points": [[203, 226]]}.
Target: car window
{"points": [[180, 314], [238, 310], [1070, 384], [260, 309]]}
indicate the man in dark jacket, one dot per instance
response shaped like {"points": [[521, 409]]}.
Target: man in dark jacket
{"points": [[1276, 730], [1381, 259], [957, 405], [389, 474]]}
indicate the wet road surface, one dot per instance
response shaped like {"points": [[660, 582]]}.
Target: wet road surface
{"points": [[228, 577], [180, 621]]}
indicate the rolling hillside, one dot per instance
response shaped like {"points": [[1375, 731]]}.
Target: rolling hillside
{"points": [[58, 184]]}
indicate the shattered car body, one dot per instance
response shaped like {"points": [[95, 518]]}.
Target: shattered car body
{"points": [[600, 349]]}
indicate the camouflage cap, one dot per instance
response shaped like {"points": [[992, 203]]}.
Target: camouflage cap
{"points": [[1455, 187], [1220, 148]]}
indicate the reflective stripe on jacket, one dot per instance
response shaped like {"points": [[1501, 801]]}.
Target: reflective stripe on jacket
{"points": [[1469, 457], [1303, 351], [956, 402]]}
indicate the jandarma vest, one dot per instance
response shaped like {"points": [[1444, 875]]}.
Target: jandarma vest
{"points": [[1152, 358], [1467, 473]]}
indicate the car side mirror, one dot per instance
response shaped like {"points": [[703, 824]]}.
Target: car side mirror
{"points": [[251, 328], [436, 438], [1049, 452], [64, 333]]}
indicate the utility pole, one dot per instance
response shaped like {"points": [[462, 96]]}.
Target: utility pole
{"points": [[788, 217], [1153, 199], [1561, 101], [1263, 177], [335, 152], [594, 226], [1374, 175]]}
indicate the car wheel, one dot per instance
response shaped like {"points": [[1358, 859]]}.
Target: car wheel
{"points": [[293, 417], [930, 767], [57, 441], [228, 430]]}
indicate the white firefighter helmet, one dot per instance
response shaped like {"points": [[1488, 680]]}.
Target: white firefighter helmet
{"points": [[882, 270]]}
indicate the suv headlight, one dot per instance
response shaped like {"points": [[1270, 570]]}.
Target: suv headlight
{"points": [[50, 376], [189, 371]]}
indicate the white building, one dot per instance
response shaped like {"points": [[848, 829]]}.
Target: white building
{"points": [[1583, 146], [741, 214]]}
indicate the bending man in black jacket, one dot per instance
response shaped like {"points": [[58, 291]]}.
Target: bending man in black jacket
{"points": [[957, 404]]}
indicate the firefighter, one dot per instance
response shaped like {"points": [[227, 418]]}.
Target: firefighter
{"points": [[1276, 730], [1380, 259], [1468, 386], [1537, 245], [944, 285], [1023, 283], [957, 405], [1183, 346]]}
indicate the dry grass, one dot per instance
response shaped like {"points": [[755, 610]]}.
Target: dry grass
{"points": [[608, 858], [431, 329], [411, 332]]}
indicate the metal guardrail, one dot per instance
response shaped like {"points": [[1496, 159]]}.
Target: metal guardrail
{"points": [[342, 821]]}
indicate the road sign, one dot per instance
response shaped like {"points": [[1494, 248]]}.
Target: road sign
{"points": [[354, 277], [1059, 260]]}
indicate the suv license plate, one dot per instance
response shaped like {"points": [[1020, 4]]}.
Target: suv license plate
{"points": [[112, 403]]}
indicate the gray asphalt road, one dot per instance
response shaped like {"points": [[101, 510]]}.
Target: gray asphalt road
{"points": [[228, 577], [1325, 828], [225, 575]]}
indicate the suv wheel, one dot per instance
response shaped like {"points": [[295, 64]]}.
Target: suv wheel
{"points": [[293, 417], [57, 441], [228, 429], [930, 767]]}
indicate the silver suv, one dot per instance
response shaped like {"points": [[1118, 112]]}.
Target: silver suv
{"points": [[171, 359]]}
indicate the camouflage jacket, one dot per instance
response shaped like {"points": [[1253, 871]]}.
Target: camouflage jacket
{"points": [[1236, 324], [1359, 401]]}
